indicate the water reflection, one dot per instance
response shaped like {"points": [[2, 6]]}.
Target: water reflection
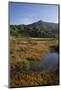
{"points": [[49, 63]]}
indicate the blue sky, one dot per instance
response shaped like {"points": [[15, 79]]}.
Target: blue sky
{"points": [[27, 13]]}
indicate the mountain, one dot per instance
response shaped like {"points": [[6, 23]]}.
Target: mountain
{"points": [[37, 29]]}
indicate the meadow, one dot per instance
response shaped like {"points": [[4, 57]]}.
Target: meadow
{"points": [[24, 52]]}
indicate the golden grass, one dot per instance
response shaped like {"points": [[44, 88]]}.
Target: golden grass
{"points": [[34, 79], [23, 53], [22, 48]]}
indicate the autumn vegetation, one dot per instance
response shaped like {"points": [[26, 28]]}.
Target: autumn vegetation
{"points": [[23, 53]]}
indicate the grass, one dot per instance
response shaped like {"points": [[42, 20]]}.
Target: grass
{"points": [[25, 52], [29, 48], [34, 79]]}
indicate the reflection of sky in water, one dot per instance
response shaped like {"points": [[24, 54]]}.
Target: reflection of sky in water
{"points": [[49, 63]]}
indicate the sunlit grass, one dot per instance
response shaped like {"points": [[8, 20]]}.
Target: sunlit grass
{"points": [[34, 79], [24, 53]]}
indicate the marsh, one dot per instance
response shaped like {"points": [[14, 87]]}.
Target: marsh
{"points": [[31, 59]]}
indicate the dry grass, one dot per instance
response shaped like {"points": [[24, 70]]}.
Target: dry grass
{"points": [[22, 48], [34, 79], [22, 51]]}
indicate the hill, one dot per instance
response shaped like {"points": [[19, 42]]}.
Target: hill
{"points": [[37, 29]]}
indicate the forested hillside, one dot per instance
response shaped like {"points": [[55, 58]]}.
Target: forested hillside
{"points": [[38, 29]]}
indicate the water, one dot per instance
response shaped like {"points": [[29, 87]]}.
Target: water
{"points": [[49, 63]]}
